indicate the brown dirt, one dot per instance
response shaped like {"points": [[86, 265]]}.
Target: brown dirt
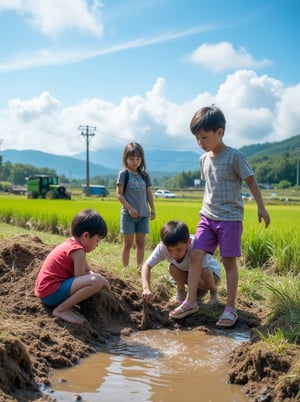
{"points": [[32, 342]]}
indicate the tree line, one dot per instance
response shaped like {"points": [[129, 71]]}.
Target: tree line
{"points": [[273, 170]]}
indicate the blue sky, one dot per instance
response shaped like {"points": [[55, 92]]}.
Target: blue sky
{"points": [[138, 70]]}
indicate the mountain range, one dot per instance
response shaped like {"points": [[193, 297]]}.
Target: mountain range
{"points": [[103, 163], [109, 161]]}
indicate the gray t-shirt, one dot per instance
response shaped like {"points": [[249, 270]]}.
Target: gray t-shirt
{"points": [[223, 175], [160, 254], [135, 192]]}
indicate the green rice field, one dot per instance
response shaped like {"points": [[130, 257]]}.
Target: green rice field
{"points": [[276, 248]]}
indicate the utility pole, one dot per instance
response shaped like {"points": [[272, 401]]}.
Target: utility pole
{"points": [[87, 132]]}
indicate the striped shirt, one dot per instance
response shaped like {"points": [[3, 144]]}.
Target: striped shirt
{"points": [[223, 175]]}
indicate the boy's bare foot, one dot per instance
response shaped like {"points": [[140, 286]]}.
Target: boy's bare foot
{"points": [[68, 316]]}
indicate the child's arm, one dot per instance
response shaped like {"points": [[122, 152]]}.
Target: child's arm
{"points": [[79, 258], [88, 269], [119, 193], [80, 266], [151, 202], [157, 255], [262, 212], [145, 276]]}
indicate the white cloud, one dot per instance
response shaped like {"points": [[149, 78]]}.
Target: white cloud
{"points": [[222, 56], [32, 124], [55, 16], [26, 111], [249, 102], [11, 4], [287, 118], [257, 109]]}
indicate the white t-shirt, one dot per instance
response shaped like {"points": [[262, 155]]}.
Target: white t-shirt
{"points": [[160, 254]]}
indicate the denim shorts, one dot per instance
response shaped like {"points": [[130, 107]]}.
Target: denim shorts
{"points": [[60, 295], [129, 225], [226, 234]]}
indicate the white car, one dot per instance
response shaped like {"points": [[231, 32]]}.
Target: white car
{"points": [[164, 194], [247, 196]]}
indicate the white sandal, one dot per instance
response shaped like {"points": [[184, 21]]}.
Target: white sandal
{"points": [[227, 319]]}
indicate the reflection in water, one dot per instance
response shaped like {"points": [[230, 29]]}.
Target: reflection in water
{"points": [[156, 366]]}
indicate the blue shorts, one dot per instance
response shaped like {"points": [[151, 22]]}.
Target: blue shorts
{"points": [[60, 295], [226, 234], [129, 225]]}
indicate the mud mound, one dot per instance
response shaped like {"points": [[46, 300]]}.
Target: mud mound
{"points": [[253, 364]]}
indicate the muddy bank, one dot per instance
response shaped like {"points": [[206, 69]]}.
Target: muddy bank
{"points": [[32, 342]]}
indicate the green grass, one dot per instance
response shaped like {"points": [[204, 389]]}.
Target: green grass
{"points": [[285, 305], [251, 283], [276, 248], [276, 341]]}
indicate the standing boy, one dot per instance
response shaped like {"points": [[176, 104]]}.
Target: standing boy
{"points": [[175, 247], [223, 169]]}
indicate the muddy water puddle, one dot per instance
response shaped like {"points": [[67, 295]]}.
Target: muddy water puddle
{"points": [[156, 366]]}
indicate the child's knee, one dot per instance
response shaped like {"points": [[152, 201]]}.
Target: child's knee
{"points": [[97, 282], [229, 263]]}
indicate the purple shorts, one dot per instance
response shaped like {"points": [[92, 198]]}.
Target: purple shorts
{"points": [[226, 234]]}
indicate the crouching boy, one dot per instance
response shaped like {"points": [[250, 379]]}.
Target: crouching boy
{"points": [[175, 247]]}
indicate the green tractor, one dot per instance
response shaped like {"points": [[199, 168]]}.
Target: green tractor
{"points": [[44, 186]]}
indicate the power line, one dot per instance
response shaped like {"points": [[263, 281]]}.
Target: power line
{"points": [[87, 132]]}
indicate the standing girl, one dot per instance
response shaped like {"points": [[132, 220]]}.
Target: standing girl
{"points": [[134, 193]]}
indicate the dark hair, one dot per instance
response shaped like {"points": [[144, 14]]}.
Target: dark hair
{"points": [[134, 149], [208, 118], [174, 232], [88, 221]]}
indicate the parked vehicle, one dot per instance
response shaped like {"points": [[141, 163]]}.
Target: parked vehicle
{"points": [[20, 190], [247, 196], [164, 194], [97, 190], [44, 186]]}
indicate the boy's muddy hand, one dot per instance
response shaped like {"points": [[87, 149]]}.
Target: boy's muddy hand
{"points": [[147, 296]]}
